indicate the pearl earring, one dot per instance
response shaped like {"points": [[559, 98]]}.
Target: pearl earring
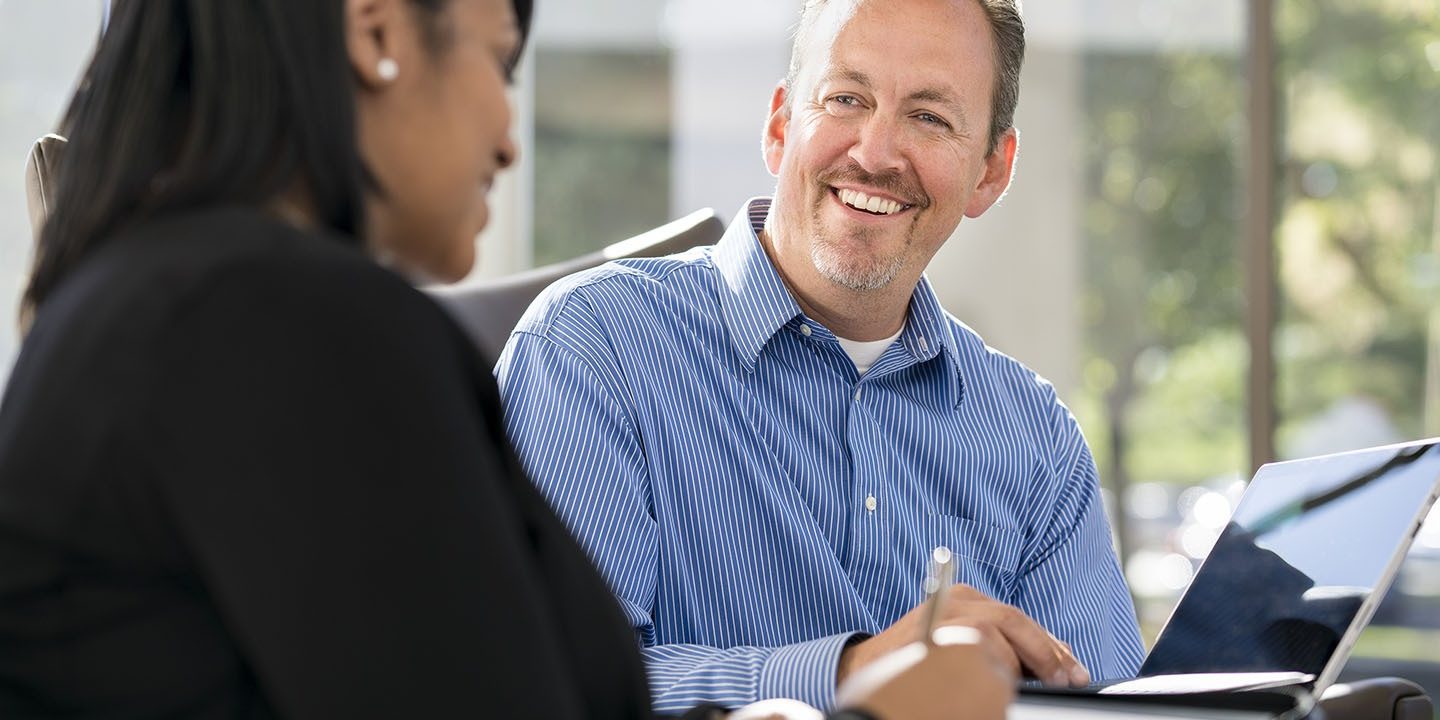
{"points": [[387, 69]]}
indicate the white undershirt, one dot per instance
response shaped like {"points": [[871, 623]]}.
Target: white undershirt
{"points": [[864, 354]]}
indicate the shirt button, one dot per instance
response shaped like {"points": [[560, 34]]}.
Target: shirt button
{"points": [[805, 330], [870, 503], [923, 345], [857, 394]]}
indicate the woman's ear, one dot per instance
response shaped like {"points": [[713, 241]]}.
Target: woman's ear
{"points": [[372, 32]]}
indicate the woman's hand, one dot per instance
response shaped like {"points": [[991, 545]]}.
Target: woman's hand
{"points": [[956, 677]]}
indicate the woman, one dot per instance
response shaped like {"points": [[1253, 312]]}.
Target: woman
{"points": [[246, 469]]}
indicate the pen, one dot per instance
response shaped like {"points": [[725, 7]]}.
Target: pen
{"points": [[937, 586]]}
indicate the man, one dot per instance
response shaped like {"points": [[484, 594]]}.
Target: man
{"points": [[760, 443]]}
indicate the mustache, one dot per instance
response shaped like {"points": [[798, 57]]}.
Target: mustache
{"points": [[901, 186]]}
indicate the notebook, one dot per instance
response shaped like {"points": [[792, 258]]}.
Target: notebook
{"points": [[1295, 575]]}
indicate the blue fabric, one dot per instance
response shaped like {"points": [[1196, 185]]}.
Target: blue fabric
{"points": [[714, 451]]}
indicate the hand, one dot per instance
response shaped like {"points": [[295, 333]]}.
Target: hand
{"points": [[1016, 640], [957, 676]]}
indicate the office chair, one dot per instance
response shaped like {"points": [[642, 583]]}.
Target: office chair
{"points": [[489, 309], [1382, 698], [40, 178]]}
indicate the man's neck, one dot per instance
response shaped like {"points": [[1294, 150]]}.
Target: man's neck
{"points": [[854, 315]]}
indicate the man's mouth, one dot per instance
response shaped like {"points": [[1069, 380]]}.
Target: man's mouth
{"points": [[869, 203]]}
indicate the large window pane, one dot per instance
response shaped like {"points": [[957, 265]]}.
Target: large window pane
{"points": [[1358, 342], [1161, 394], [601, 127], [602, 147]]}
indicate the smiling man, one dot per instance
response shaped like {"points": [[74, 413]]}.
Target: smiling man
{"points": [[760, 442]]}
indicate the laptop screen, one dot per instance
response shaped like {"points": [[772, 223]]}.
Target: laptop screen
{"points": [[1310, 541]]}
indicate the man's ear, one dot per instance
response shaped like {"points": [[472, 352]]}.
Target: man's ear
{"points": [[372, 35], [995, 180], [773, 144]]}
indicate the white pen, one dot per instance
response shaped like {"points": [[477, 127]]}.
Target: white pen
{"points": [[937, 586]]}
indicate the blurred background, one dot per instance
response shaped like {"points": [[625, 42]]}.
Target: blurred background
{"points": [[1226, 265]]}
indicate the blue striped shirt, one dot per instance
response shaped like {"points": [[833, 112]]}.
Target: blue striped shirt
{"points": [[754, 502]]}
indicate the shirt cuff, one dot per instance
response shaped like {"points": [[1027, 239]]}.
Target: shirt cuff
{"points": [[804, 671]]}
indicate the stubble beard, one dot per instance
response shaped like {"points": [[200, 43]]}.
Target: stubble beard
{"points": [[848, 256], [850, 262]]}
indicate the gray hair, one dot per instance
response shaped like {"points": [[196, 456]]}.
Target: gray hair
{"points": [[1007, 28]]}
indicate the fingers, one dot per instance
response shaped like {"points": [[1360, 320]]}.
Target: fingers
{"points": [[1079, 674], [998, 648], [1038, 652], [1011, 639], [1018, 641]]}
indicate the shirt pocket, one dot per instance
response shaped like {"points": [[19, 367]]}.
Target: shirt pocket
{"points": [[987, 557]]}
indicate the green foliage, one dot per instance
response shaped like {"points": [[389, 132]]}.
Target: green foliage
{"points": [[1163, 381], [1162, 305], [602, 120], [1191, 411], [1359, 224]]}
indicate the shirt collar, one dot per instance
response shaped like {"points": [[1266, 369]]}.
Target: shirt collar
{"points": [[753, 298], [929, 332], [756, 303]]}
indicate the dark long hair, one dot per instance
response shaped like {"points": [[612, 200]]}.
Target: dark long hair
{"points": [[189, 103]]}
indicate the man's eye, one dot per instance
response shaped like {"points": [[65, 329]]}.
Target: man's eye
{"points": [[932, 119], [848, 101]]}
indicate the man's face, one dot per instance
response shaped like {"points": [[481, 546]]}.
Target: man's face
{"points": [[880, 147]]}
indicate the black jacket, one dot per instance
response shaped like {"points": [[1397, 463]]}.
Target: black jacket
{"points": [[247, 473]]}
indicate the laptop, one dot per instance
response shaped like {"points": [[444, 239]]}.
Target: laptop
{"points": [[1295, 575]]}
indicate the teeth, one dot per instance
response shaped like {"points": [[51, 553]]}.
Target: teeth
{"points": [[861, 201]]}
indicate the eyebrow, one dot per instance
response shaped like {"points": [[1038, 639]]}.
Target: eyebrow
{"points": [[928, 94]]}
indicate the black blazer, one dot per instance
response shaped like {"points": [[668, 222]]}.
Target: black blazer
{"points": [[247, 473]]}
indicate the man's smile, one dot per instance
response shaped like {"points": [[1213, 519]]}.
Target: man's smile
{"points": [[869, 203]]}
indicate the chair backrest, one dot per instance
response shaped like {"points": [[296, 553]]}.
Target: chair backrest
{"points": [[40, 179], [489, 309], [1383, 698]]}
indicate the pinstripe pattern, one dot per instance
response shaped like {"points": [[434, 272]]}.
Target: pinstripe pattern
{"points": [[715, 459]]}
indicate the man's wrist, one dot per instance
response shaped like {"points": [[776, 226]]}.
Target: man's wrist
{"points": [[803, 671], [848, 652]]}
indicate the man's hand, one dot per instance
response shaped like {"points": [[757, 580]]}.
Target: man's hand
{"points": [[1014, 639]]}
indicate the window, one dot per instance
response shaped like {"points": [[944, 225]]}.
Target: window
{"points": [[602, 119], [1161, 107], [1357, 240]]}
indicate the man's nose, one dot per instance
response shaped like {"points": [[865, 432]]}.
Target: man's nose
{"points": [[879, 148]]}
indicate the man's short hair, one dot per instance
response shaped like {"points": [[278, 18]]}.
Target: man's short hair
{"points": [[1006, 27]]}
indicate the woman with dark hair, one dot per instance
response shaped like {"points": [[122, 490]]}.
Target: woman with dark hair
{"points": [[246, 469]]}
